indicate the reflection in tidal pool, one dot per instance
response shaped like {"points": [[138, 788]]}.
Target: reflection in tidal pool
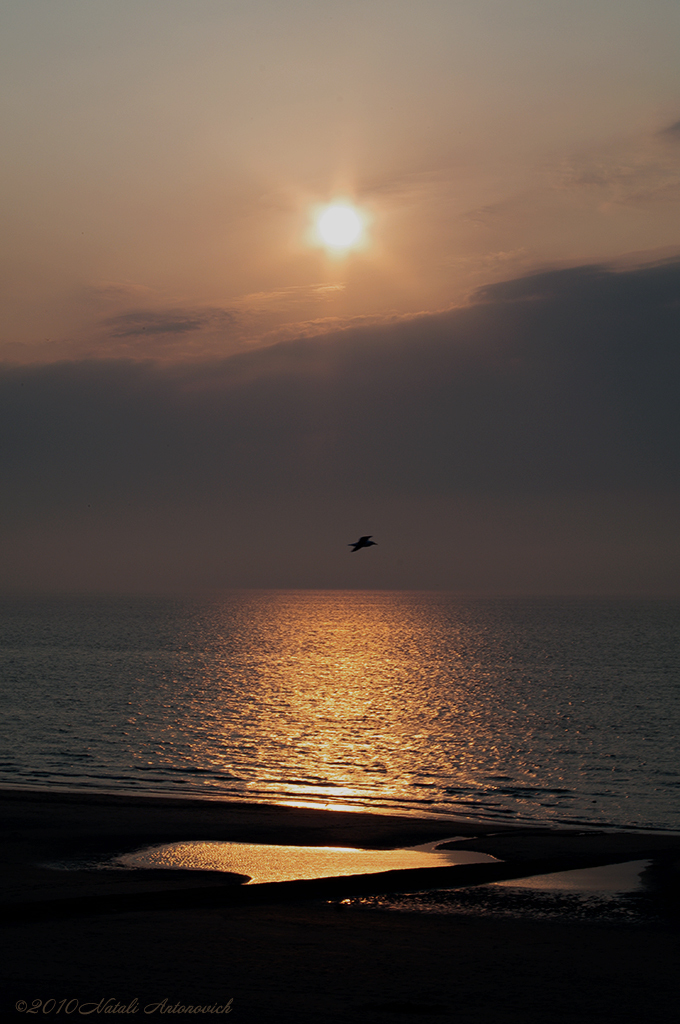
{"points": [[606, 878], [612, 892], [285, 863]]}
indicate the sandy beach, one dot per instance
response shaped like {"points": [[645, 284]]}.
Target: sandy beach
{"points": [[148, 943]]}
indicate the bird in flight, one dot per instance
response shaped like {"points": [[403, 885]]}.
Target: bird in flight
{"points": [[363, 542]]}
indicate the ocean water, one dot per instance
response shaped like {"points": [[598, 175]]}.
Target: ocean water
{"points": [[525, 711]]}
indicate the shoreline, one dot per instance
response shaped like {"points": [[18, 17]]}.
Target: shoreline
{"points": [[460, 816], [155, 935], [86, 830]]}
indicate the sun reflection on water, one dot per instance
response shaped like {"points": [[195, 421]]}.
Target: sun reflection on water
{"points": [[325, 705], [381, 700]]}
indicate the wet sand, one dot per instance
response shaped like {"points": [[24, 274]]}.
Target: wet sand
{"points": [[294, 957]]}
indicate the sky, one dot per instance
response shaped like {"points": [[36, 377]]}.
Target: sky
{"points": [[197, 393]]}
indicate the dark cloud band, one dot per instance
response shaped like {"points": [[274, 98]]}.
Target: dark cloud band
{"points": [[545, 389]]}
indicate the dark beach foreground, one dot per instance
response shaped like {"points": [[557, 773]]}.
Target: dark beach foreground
{"points": [[142, 944]]}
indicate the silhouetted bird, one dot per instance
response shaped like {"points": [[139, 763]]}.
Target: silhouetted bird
{"points": [[363, 542]]}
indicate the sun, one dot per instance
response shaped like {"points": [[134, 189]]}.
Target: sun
{"points": [[339, 226]]}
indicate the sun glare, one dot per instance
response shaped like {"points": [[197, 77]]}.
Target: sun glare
{"points": [[339, 226]]}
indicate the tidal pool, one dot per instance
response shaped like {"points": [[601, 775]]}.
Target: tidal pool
{"points": [[270, 863]]}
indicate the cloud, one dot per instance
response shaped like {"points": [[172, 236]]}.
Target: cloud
{"points": [[638, 170], [485, 262], [283, 298], [672, 131], [631, 172], [115, 292], [538, 426], [174, 331], [169, 321], [329, 325], [558, 379]]}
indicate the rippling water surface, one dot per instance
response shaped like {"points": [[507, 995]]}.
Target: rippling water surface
{"points": [[523, 710]]}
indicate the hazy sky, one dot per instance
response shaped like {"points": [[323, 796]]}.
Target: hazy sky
{"points": [[196, 392]]}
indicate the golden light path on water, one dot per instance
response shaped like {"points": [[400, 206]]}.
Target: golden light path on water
{"points": [[395, 701], [327, 700], [267, 863], [562, 711]]}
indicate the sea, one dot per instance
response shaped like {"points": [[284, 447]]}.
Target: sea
{"points": [[562, 712]]}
